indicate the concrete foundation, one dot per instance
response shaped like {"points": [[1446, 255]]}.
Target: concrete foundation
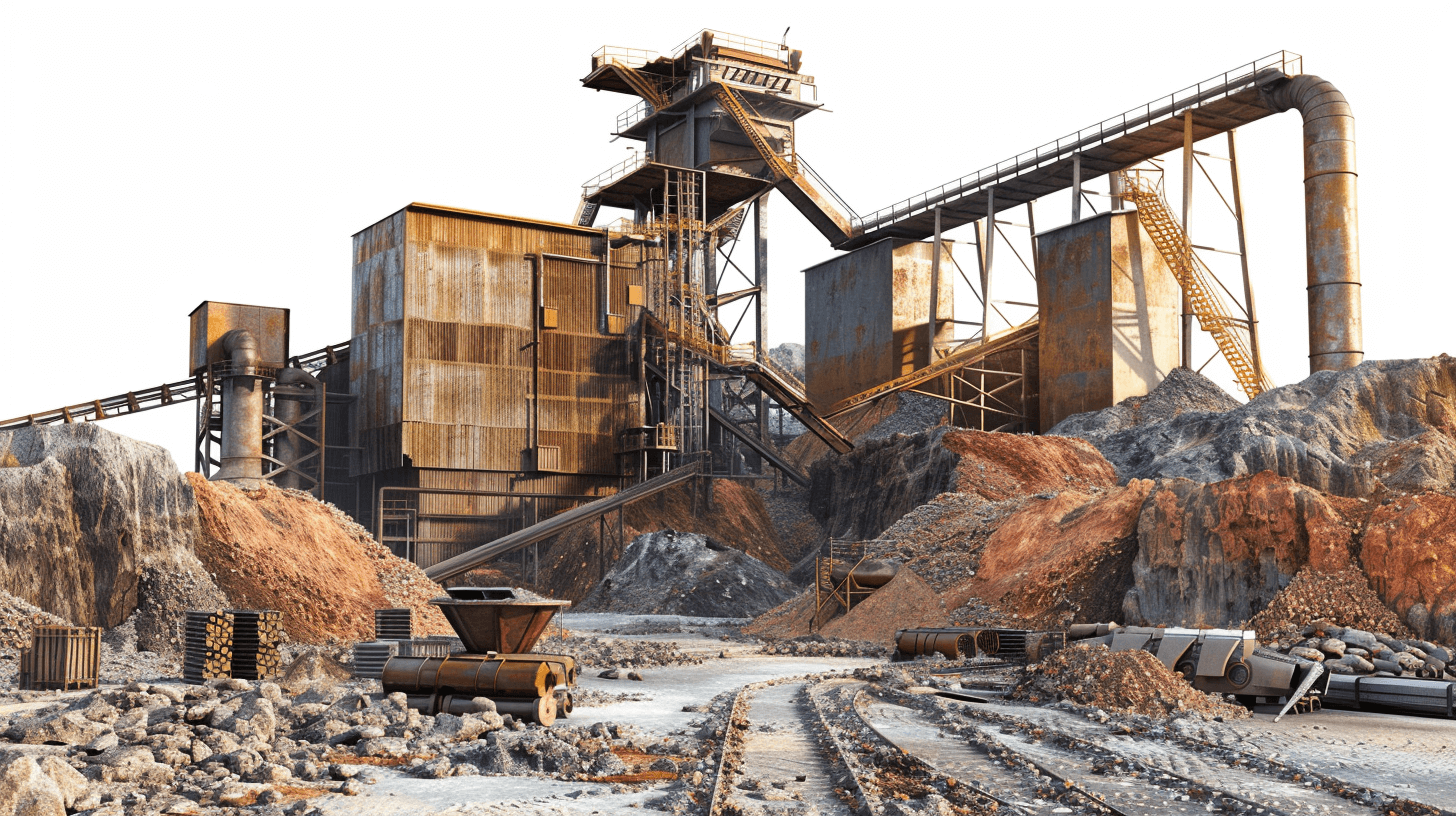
{"points": [[1109, 315], [865, 316]]}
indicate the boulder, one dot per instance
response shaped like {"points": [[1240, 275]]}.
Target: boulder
{"points": [[1069, 556], [69, 781], [62, 728], [26, 789], [1214, 554]]}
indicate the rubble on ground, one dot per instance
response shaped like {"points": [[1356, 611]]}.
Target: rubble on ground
{"points": [[18, 620], [820, 646], [1129, 682], [610, 652], [1384, 422], [672, 573]]}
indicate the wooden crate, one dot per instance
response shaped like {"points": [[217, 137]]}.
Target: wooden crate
{"points": [[61, 657]]}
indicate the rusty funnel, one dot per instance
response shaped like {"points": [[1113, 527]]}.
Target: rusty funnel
{"points": [[493, 619]]}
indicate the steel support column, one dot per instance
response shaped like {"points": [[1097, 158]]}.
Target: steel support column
{"points": [[1186, 355]]}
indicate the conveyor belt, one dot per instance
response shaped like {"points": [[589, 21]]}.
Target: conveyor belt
{"points": [[559, 523]]}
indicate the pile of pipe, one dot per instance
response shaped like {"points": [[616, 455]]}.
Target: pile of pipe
{"points": [[964, 643]]}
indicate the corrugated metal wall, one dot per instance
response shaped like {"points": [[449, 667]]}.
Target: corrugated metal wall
{"points": [[443, 364]]}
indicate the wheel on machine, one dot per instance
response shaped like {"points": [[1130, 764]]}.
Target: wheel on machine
{"points": [[1238, 674], [1188, 669]]}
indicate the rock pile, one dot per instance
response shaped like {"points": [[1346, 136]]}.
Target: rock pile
{"points": [[1347, 650], [1128, 682], [18, 620], [230, 743], [1384, 422], [283, 549], [1340, 595], [672, 573]]}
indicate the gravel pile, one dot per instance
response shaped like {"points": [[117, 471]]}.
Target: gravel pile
{"points": [[941, 540], [672, 573], [18, 619], [1129, 682], [609, 653], [1181, 392], [1343, 596], [818, 646], [913, 414], [1384, 422]]}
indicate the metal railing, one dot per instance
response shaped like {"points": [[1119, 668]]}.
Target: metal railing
{"points": [[823, 186], [627, 166], [763, 48], [631, 116], [630, 57], [1158, 110]]}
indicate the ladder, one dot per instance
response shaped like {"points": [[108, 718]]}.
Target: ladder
{"points": [[1196, 280]]}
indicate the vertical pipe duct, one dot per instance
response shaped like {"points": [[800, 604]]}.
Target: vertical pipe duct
{"points": [[242, 412], [1330, 224], [295, 387]]}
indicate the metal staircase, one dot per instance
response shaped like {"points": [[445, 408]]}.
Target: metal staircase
{"points": [[640, 84], [780, 167], [586, 212], [1196, 279]]}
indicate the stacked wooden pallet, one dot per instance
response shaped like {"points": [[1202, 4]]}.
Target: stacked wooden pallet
{"points": [[61, 657], [208, 649], [257, 634]]}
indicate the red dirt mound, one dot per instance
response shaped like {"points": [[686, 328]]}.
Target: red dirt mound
{"points": [[284, 550], [1131, 681], [1000, 466], [1064, 558]]}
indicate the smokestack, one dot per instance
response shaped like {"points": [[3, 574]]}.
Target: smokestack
{"points": [[1331, 228]]}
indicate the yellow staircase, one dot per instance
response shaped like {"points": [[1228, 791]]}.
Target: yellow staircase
{"points": [[640, 84], [735, 107], [1196, 280]]}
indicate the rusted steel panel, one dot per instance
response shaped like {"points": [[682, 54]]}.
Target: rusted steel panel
{"points": [[212, 319], [1109, 315], [455, 373], [865, 316]]}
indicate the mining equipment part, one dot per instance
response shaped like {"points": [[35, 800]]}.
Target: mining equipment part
{"points": [[467, 561], [492, 619], [542, 710], [242, 411], [370, 658], [565, 704], [61, 658], [427, 647], [393, 624], [207, 651], [1222, 661], [961, 642], [471, 676], [1403, 695], [871, 572]]}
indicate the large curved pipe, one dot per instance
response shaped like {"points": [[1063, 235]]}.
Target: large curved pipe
{"points": [[1331, 227], [242, 412], [294, 387]]}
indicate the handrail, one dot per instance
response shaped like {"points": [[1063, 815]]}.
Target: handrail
{"points": [[753, 45], [624, 168], [628, 57], [1161, 109], [823, 185], [631, 116]]}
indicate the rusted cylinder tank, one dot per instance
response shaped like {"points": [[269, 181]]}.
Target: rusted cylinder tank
{"points": [[951, 643], [469, 676], [242, 412], [871, 572], [1331, 225]]}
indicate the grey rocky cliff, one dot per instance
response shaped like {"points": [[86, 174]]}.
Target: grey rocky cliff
{"points": [[1384, 422], [87, 518]]}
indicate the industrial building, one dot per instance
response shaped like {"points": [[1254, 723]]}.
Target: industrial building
{"points": [[507, 377]]}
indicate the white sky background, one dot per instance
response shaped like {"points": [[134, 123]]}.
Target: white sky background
{"points": [[156, 156]]}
